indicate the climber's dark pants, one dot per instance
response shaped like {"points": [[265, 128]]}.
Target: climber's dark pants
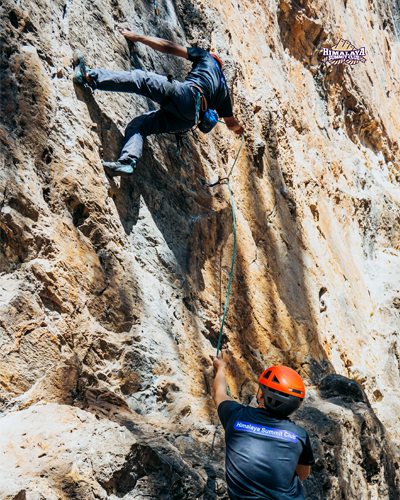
{"points": [[177, 112]]}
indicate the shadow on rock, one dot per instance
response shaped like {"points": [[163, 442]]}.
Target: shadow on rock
{"points": [[340, 417], [111, 138], [342, 390]]}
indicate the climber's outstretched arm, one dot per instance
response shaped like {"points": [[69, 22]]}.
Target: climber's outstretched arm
{"points": [[219, 393], [160, 44]]}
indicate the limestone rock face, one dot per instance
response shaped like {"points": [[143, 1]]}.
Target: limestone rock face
{"points": [[59, 451], [112, 291]]}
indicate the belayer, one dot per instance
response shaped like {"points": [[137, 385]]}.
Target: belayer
{"points": [[182, 105], [267, 455]]}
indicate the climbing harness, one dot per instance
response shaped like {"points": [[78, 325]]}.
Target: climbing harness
{"points": [[234, 238], [200, 103], [209, 116]]}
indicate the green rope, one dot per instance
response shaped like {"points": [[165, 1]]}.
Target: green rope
{"points": [[233, 262], [237, 156], [234, 248], [230, 277]]}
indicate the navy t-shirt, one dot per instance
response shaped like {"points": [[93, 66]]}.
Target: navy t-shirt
{"points": [[262, 453], [206, 75]]}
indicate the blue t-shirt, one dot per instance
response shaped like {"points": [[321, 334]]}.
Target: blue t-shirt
{"points": [[262, 453], [207, 75]]}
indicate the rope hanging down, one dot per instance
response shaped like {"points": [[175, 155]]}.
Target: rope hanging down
{"points": [[234, 239], [233, 262]]}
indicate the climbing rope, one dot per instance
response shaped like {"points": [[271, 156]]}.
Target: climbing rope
{"points": [[219, 181], [233, 263], [234, 239]]}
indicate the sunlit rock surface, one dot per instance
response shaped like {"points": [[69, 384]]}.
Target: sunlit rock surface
{"points": [[111, 292]]}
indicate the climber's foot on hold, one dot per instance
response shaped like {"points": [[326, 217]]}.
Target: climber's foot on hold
{"points": [[118, 168], [81, 76]]}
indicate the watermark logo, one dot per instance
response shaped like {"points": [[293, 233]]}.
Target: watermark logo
{"points": [[343, 53]]}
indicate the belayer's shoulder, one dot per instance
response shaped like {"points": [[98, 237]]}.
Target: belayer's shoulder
{"points": [[297, 428]]}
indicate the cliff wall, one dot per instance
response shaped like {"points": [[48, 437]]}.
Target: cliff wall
{"points": [[111, 291]]}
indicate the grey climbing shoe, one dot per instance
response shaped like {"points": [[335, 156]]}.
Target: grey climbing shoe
{"points": [[116, 168], [80, 72]]}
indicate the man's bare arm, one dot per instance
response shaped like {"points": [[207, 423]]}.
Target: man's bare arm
{"points": [[303, 471], [234, 125], [219, 393], [160, 44]]}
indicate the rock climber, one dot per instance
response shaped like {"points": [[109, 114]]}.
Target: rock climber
{"points": [[267, 455], [204, 87]]}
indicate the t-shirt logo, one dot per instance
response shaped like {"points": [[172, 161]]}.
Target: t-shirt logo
{"points": [[260, 430]]}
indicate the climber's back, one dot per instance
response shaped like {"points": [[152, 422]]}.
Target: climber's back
{"points": [[208, 75]]}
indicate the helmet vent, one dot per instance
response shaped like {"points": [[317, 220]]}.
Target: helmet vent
{"points": [[275, 380], [267, 375], [274, 402]]}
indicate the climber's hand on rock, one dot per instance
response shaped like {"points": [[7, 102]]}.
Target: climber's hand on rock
{"points": [[129, 35], [239, 131], [219, 363], [234, 125]]}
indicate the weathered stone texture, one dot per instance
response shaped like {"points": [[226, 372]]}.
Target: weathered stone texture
{"points": [[111, 292]]}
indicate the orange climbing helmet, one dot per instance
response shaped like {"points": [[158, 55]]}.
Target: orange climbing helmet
{"points": [[217, 59], [283, 390]]}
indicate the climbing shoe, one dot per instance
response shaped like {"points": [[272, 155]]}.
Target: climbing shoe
{"points": [[116, 168], [80, 72]]}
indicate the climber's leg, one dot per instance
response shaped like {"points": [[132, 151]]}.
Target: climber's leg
{"points": [[153, 122], [155, 87], [140, 127]]}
